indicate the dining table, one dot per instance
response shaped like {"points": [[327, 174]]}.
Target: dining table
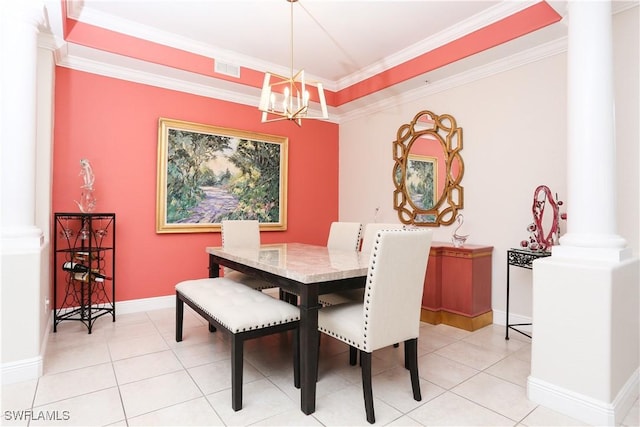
{"points": [[305, 271]]}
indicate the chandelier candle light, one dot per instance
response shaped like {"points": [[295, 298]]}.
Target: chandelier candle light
{"points": [[287, 98]]}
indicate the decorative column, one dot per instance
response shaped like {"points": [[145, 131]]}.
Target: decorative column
{"points": [[18, 132], [23, 253], [591, 178], [585, 344]]}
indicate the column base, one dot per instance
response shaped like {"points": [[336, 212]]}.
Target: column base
{"points": [[585, 347], [468, 323], [581, 407]]}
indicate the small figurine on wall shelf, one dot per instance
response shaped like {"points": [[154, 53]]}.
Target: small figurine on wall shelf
{"points": [[538, 240], [87, 201], [459, 239]]}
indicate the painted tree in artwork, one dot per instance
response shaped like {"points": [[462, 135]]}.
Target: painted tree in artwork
{"points": [[246, 187], [258, 186], [188, 153], [421, 180]]}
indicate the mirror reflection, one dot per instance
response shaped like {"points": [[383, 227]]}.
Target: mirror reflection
{"points": [[428, 170]]}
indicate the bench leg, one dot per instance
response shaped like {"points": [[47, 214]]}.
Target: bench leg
{"points": [[236, 372], [179, 316]]}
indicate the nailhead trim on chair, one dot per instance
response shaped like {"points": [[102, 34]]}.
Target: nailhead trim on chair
{"points": [[368, 291], [345, 320]]}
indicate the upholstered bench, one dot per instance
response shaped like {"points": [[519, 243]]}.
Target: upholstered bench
{"points": [[242, 312]]}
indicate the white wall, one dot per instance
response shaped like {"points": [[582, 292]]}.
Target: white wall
{"points": [[514, 127]]}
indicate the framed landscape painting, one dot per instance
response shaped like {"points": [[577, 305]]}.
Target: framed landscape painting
{"points": [[421, 180], [207, 174]]}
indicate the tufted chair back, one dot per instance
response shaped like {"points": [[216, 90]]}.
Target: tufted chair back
{"points": [[243, 234], [393, 292], [370, 231], [344, 235], [240, 234]]}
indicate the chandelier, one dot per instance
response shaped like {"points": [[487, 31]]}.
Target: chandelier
{"points": [[287, 98]]}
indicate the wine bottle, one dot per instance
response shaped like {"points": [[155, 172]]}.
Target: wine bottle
{"points": [[93, 276], [82, 272], [75, 267]]}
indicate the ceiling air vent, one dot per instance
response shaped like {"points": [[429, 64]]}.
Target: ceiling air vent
{"points": [[226, 69]]}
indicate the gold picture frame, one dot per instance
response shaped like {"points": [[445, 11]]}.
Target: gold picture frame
{"points": [[207, 173]]}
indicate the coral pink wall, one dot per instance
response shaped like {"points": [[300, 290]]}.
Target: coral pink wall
{"points": [[114, 124]]}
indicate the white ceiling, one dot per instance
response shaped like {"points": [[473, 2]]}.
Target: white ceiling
{"points": [[332, 38], [338, 42]]}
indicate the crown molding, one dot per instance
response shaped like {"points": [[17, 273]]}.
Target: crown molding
{"points": [[514, 61], [124, 26], [96, 62], [141, 31], [89, 60], [467, 26], [158, 78]]}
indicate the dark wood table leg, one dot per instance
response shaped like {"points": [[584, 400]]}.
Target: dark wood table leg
{"points": [[214, 268], [308, 347]]}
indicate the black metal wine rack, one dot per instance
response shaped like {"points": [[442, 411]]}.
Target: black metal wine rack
{"points": [[84, 267]]}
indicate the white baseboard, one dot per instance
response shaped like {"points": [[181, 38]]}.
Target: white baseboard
{"points": [[22, 370], [584, 408], [32, 368], [145, 304], [27, 369]]}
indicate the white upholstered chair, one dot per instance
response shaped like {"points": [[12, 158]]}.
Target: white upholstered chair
{"points": [[344, 235], [390, 312], [243, 234], [368, 236], [370, 231]]}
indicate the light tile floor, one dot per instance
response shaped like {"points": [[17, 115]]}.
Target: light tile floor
{"points": [[133, 373]]}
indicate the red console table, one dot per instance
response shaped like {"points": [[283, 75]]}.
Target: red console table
{"points": [[457, 287]]}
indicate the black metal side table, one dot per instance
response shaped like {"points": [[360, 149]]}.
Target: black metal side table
{"points": [[520, 258]]}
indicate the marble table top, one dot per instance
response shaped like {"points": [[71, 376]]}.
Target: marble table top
{"points": [[298, 261]]}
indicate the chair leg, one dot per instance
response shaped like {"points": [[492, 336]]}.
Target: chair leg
{"points": [[296, 358], [353, 356], [179, 317], [236, 372], [406, 357], [365, 361], [411, 351]]}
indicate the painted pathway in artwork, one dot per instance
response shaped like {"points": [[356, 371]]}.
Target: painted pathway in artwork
{"points": [[216, 202]]}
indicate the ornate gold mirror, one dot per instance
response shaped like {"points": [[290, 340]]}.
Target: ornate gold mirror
{"points": [[428, 170]]}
